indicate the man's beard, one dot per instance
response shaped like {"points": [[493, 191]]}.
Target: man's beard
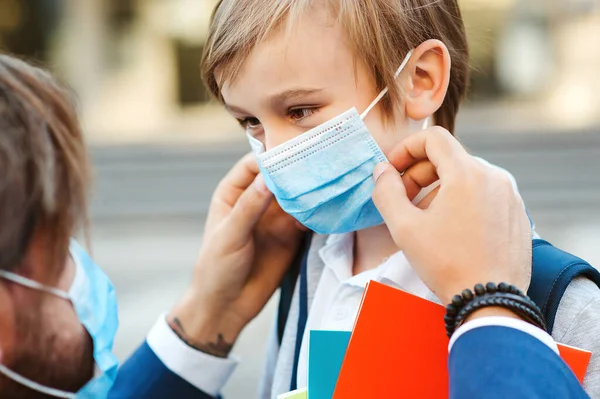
{"points": [[45, 352]]}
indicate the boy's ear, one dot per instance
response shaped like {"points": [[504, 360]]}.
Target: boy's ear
{"points": [[427, 86]]}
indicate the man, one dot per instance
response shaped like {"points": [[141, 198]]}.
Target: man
{"points": [[58, 311], [493, 355]]}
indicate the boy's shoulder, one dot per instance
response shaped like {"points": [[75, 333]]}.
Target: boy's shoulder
{"points": [[578, 324], [579, 309]]}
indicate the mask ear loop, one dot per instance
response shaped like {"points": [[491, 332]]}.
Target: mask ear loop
{"points": [[425, 190], [425, 123], [57, 393], [384, 91], [15, 278]]}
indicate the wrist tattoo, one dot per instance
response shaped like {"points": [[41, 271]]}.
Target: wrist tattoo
{"points": [[220, 348]]}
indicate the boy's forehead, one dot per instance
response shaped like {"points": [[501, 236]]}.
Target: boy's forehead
{"points": [[312, 52]]}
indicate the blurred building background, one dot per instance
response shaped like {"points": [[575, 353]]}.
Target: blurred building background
{"points": [[134, 63], [160, 146]]}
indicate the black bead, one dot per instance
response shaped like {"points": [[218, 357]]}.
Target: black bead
{"points": [[451, 310], [491, 288], [467, 295], [519, 304], [513, 290], [479, 289], [503, 287], [457, 301]]}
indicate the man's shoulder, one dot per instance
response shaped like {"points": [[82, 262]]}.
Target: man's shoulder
{"points": [[505, 374]]}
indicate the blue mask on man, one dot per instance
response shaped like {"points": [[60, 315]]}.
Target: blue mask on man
{"points": [[323, 177], [93, 297]]}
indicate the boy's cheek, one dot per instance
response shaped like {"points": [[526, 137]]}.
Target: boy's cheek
{"points": [[388, 140], [387, 131], [389, 136]]}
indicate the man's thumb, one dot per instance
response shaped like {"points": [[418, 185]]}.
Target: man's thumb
{"points": [[391, 199]]}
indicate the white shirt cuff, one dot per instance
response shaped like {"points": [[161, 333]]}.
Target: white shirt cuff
{"points": [[207, 373], [501, 321]]}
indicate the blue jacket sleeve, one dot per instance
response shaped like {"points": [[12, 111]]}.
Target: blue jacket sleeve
{"points": [[143, 375], [501, 362]]}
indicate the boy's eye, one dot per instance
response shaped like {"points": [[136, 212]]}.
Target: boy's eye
{"points": [[296, 115], [249, 123]]}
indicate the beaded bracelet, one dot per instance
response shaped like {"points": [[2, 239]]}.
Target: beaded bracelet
{"points": [[504, 295]]}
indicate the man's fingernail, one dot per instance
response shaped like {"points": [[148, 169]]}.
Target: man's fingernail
{"points": [[259, 183], [379, 169]]}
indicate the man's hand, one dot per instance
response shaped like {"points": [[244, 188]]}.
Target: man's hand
{"points": [[474, 228], [249, 242]]}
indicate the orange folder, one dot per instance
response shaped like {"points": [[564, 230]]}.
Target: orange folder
{"points": [[577, 359], [385, 359]]}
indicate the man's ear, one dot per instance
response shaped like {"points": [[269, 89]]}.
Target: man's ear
{"points": [[427, 85]]}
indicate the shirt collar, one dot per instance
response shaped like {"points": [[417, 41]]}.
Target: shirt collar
{"points": [[337, 255]]}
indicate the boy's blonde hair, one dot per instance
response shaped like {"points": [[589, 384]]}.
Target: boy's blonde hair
{"points": [[381, 32]]}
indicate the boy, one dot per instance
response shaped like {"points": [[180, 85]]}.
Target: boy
{"points": [[288, 67]]}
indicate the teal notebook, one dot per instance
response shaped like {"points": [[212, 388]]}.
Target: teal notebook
{"points": [[326, 351]]}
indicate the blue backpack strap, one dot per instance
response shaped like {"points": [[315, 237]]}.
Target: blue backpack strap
{"points": [[299, 269], [302, 318], [552, 272], [286, 292], [288, 284]]}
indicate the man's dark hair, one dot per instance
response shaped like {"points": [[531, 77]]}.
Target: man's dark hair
{"points": [[44, 168], [44, 184]]}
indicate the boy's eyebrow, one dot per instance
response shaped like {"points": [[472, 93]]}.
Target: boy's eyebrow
{"points": [[279, 99], [233, 108], [290, 95]]}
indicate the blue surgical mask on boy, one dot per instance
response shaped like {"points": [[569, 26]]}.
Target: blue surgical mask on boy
{"points": [[93, 297], [323, 177]]}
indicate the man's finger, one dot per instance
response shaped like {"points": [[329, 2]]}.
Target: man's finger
{"points": [[391, 200], [249, 208], [418, 177], [237, 180], [434, 144]]}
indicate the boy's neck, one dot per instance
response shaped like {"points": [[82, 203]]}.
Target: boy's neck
{"points": [[371, 247]]}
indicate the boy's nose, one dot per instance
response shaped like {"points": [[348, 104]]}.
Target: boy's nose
{"points": [[278, 134]]}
